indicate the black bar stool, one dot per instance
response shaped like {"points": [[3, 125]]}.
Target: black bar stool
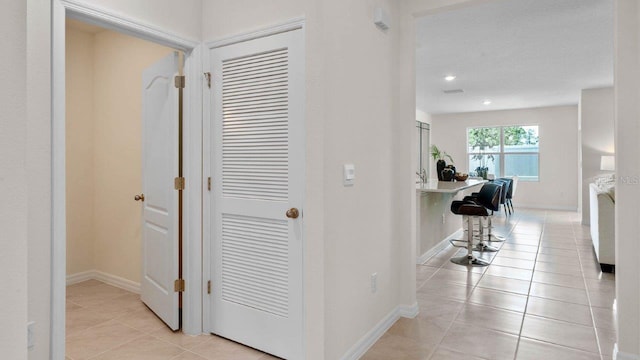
{"points": [[488, 198]]}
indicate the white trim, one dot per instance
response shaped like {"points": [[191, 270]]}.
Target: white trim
{"points": [[192, 209], [545, 207], [293, 24], [206, 194], [118, 22], [58, 183], [192, 230], [408, 312], [618, 355], [373, 335], [106, 278], [438, 247], [80, 277]]}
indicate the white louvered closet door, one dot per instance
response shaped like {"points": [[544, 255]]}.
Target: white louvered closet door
{"points": [[257, 176]]}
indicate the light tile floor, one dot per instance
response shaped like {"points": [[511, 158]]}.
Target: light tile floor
{"points": [[542, 297], [108, 323]]}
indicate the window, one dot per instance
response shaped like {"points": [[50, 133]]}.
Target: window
{"points": [[423, 148], [504, 151]]}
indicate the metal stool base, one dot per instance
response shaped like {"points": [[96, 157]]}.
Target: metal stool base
{"points": [[495, 238], [485, 248], [469, 261]]}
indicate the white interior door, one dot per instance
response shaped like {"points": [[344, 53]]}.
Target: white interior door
{"points": [[258, 175], [159, 168]]}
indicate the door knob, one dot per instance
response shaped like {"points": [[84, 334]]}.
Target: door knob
{"points": [[293, 213], [139, 197]]}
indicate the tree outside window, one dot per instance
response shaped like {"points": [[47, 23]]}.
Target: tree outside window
{"points": [[504, 151]]}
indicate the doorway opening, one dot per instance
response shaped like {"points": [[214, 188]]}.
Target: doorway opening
{"points": [[110, 162], [192, 126]]}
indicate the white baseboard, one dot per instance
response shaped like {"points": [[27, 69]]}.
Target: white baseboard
{"points": [[440, 246], [106, 278], [618, 355], [545, 207], [80, 277], [370, 338]]}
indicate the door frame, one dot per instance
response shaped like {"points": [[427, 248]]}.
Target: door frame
{"points": [[192, 140], [298, 24]]}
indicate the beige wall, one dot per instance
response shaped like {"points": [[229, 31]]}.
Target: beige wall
{"points": [[558, 185], [596, 137], [104, 137], [118, 66], [13, 182], [80, 151]]}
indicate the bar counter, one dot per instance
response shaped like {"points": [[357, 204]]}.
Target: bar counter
{"points": [[434, 221]]}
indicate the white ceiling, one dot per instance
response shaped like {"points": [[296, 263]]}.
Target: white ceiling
{"points": [[517, 53]]}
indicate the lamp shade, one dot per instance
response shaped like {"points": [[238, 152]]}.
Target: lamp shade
{"points": [[608, 163]]}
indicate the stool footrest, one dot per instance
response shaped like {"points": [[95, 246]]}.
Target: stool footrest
{"points": [[469, 261]]}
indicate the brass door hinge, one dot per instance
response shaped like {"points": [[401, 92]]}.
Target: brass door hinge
{"points": [[209, 287], [180, 81], [179, 183], [209, 183], [207, 76], [178, 285]]}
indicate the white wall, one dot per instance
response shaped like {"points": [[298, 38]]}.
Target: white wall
{"points": [[38, 177], [596, 123], [627, 132], [13, 182], [558, 129]]}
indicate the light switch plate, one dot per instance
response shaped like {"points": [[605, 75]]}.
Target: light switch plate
{"points": [[349, 174]]}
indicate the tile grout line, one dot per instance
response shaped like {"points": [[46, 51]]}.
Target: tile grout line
{"points": [[465, 303], [116, 346], [533, 272], [586, 289]]}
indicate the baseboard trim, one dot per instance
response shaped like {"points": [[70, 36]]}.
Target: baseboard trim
{"points": [[618, 355], [370, 338], [80, 277], [440, 246], [106, 278], [545, 207]]}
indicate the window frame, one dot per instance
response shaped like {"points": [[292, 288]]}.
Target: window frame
{"points": [[501, 154]]}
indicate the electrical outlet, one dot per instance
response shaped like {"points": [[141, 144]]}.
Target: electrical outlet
{"points": [[443, 218], [30, 335], [374, 283]]}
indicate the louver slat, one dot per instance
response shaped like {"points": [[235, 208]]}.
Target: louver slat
{"points": [[255, 128], [255, 263]]}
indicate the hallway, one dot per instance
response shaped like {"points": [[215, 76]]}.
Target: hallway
{"points": [[542, 297]]}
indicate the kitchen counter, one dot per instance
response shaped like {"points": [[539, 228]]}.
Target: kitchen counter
{"points": [[450, 187], [435, 223]]}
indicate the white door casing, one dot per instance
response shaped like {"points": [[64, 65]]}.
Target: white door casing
{"points": [[160, 206], [257, 163]]}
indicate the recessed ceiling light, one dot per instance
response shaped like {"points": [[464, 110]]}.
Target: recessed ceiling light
{"points": [[486, 102], [450, 77]]}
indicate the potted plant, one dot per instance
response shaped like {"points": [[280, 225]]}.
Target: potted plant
{"points": [[483, 139], [439, 157], [483, 170]]}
